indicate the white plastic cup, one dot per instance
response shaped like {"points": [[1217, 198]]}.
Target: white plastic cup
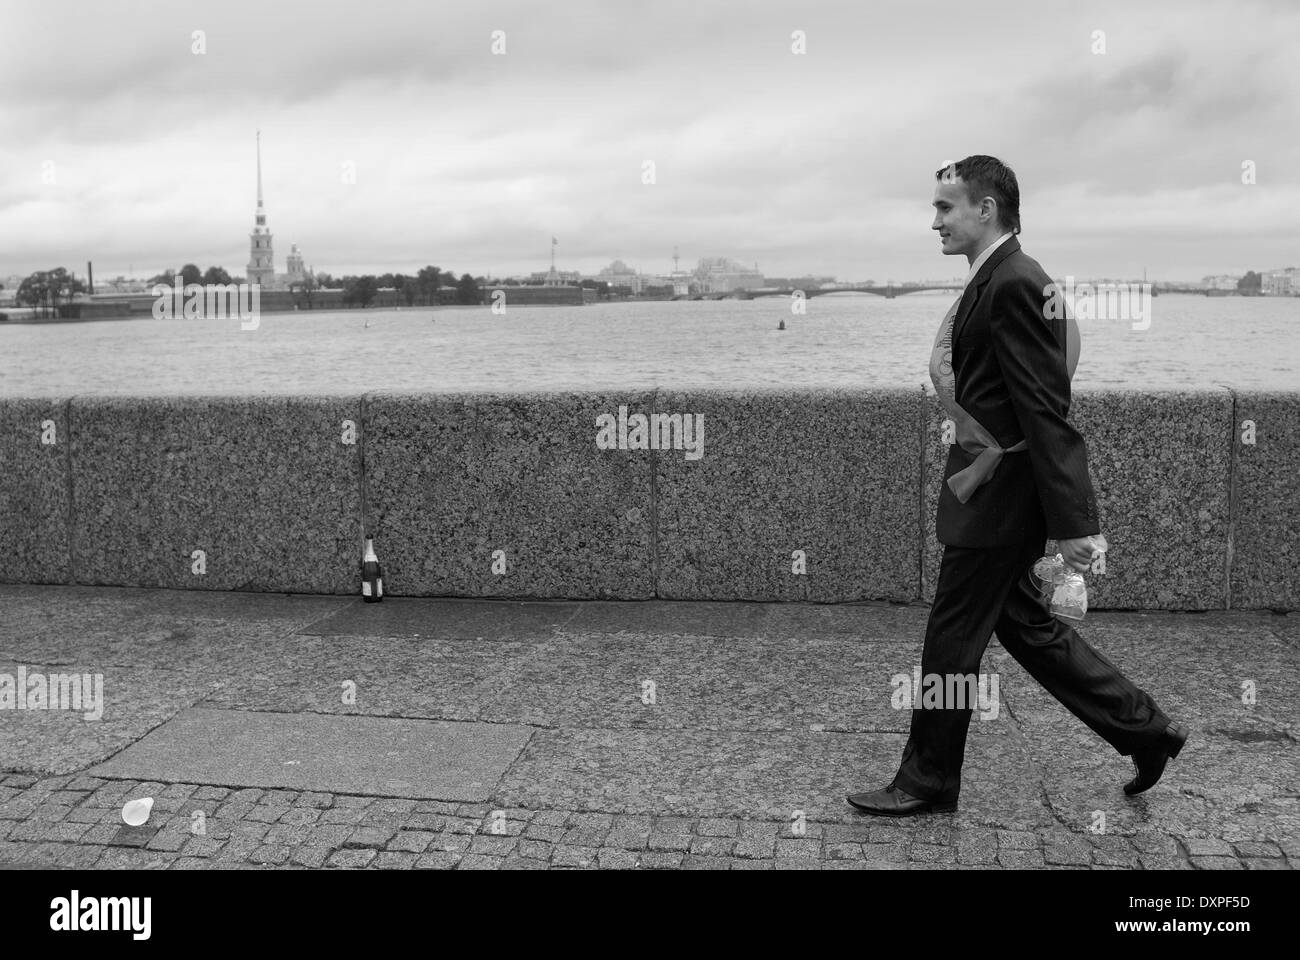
{"points": [[136, 812]]}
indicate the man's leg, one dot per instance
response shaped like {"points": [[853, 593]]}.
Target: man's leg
{"points": [[1081, 678], [973, 583]]}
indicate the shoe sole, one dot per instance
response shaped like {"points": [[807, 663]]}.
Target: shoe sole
{"points": [[932, 808]]}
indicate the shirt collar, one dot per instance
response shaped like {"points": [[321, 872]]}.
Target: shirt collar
{"points": [[984, 255]]}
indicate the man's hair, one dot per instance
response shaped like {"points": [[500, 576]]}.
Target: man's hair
{"points": [[988, 177]]}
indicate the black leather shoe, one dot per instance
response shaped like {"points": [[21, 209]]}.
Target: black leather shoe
{"points": [[893, 802], [1150, 764]]}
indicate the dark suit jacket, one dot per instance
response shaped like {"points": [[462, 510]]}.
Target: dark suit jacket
{"points": [[1009, 362]]}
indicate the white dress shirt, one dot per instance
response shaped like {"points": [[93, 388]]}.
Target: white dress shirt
{"points": [[984, 255]]}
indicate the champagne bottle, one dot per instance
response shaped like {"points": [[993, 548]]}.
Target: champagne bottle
{"points": [[372, 577]]}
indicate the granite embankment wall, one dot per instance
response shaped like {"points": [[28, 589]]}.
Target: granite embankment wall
{"points": [[1199, 494]]}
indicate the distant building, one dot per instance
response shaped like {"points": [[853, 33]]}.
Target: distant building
{"points": [[555, 278], [1280, 283], [619, 274], [722, 275], [805, 282], [295, 272], [9, 295], [120, 284], [679, 278], [261, 254], [261, 257], [1222, 281]]}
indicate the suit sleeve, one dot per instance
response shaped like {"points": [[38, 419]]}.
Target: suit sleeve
{"points": [[1033, 366]]}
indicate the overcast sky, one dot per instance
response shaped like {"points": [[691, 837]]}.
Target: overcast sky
{"points": [[822, 162]]}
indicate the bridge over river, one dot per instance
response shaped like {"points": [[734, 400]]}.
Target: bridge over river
{"points": [[888, 291]]}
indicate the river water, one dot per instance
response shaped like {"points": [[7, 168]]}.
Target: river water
{"points": [[843, 340]]}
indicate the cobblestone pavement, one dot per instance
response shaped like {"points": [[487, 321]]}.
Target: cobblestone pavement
{"points": [[75, 821], [610, 735]]}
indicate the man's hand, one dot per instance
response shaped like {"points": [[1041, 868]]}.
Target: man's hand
{"points": [[1079, 552]]}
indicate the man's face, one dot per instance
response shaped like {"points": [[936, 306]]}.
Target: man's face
{"points": [[957, 219]]}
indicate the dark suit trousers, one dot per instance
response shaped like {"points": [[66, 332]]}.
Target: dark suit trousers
{"points": [[985, 590]]}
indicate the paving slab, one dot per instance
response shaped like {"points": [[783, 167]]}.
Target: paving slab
{"points": [[447, 619], [118, 626], [357, 755], [769, 776], [712, 683], [1236, 777], [134, 700], [382, 676], [457, 618], [589, 680], [725, 618]]}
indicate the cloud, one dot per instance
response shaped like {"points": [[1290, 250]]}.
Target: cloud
{"points": [[822, 161]]}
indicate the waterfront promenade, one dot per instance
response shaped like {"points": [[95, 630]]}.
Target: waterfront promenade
{"points": [[616, 688], [282, 732]]}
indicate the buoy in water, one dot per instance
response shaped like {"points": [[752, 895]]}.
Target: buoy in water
{"points": [[781, 326]]}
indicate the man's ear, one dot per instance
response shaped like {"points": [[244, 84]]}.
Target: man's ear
{"points": [[988, 208]]}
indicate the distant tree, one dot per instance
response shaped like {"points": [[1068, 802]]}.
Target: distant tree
{"points": [[34, 290], [621, 291], [324, 281], [306, 286], [428, 280], [407, 287], [166, 277], [44, 289], [215, 275], [1251, 284], [191, 274], [467, 290], [360, 290]]}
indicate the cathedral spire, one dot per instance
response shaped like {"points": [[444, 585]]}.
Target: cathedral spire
{"points": [[259, 170], [261, 258]]}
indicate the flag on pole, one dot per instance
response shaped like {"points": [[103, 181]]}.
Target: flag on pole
{"points": [[554, 241]]}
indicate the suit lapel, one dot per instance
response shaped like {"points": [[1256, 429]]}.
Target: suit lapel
{"points": [[972, 293]]}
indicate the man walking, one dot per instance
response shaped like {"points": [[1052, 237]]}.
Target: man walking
{"points": [[1016, 476]]}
